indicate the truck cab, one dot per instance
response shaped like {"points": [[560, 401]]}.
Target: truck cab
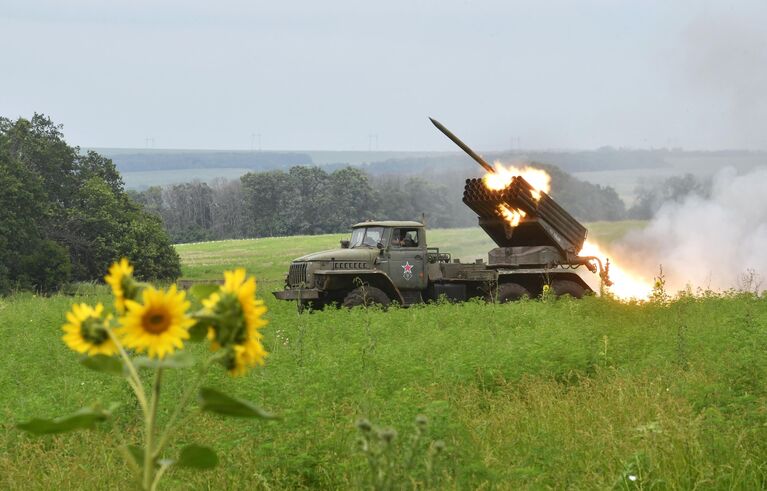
{"points": [[381, 258]]}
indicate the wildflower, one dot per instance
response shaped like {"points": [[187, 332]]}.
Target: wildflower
{"points": [[120, 278], [159, 324], [238, 317], [86, 331]]}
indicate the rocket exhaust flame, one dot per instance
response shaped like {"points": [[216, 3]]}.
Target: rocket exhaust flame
{"points": [[502, 175], [512, 215], [627, 285]]}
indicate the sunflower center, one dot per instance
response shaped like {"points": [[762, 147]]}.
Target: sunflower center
{"points": [[156, 322], [92, 330]]}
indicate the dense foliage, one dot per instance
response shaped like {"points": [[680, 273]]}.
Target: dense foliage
{"points": [[65, 216], [311, 200]]}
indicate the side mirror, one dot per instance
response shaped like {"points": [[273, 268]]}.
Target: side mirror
{"points": [[344, 244], [380, 245]]}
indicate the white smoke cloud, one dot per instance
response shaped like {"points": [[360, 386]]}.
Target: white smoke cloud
{"points": [[707, 243]]}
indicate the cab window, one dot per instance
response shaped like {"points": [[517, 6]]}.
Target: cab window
{"points": [[366, 237], [404, 237]]}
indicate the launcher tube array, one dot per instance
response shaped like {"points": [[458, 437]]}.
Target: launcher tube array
{"points": [[519, 194]]}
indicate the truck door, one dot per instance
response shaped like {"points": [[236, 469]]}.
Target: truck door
{"points": [[407, 258]]}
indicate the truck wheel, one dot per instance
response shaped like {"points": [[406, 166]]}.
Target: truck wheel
{"points": [[509, 292], [567, 287], [367, 296], [310, 306]]}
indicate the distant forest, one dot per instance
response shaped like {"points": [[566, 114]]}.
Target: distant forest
{"points": [[311, 200]]}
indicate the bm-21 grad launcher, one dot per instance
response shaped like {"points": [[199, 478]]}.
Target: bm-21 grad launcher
{"points": [[389, 261], [541, 233]]}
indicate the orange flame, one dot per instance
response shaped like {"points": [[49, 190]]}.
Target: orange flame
{"points": [[627, 285], [539, 179], [512, 215]]}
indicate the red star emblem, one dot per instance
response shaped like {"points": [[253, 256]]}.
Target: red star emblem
{"points": [[407, 267]]}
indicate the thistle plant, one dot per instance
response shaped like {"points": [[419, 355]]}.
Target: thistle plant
{"points": [[395, 467], [147, 333]]}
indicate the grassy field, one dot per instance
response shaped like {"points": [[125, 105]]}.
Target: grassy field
{"points": [[590, 394]]}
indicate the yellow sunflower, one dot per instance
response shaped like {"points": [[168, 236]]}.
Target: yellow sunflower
{"points": [[239, 317], [244, 289], [86, 331], [158, 324], [245, 356], [120, 278]]}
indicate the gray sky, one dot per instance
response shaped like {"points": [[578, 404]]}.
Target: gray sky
{"points": [[317, 75]]}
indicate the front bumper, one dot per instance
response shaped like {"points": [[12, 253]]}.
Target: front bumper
{"points": [[298, 294]]}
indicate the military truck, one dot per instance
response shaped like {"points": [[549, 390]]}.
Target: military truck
{"points": [[390, 261]]}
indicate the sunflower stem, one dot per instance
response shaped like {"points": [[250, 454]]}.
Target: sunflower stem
{"points": [[133, 379], [170, 427], [148, 437]]}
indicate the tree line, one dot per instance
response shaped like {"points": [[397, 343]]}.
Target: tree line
{"points": [[65, 216], [303, 200], [311, 200]]}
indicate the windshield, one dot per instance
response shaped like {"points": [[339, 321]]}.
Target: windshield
{"points": [[366, 237]]}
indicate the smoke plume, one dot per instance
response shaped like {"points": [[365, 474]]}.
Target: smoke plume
{"points": [[715, 243]]}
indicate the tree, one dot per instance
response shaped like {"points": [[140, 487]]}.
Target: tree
{"points": [[264, 195], [25, 256], [65, 215], [347, 197]]}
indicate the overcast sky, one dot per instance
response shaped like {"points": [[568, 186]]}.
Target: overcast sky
{"points": [[308, 74]]}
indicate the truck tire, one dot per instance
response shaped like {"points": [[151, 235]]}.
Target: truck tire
{"points": [[508, 292], [310, 306], [567, 287], [367, 296]]}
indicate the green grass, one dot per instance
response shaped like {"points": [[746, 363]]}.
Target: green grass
{"points": [[554, 394]]}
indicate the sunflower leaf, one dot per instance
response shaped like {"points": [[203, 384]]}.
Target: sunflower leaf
{"points": [[137, 453], [103, 363], [203, 291], [83, 419], [220, 403], [183, 359], [197, 457], [199, 331]]}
